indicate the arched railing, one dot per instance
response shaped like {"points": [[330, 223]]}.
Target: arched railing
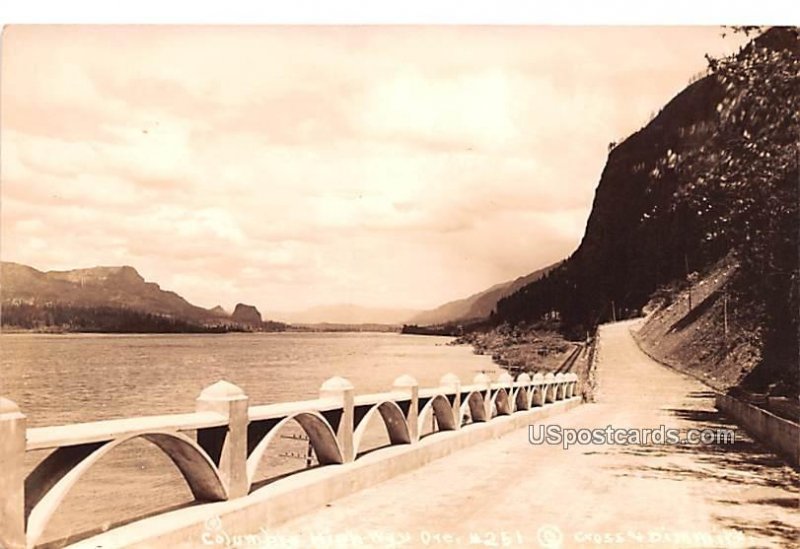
{"points": [[232, 437], [264, 427], [50, 482]]}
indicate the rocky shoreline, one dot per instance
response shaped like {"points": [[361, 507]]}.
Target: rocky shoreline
{"points": [[520, 349], [528, 350]]}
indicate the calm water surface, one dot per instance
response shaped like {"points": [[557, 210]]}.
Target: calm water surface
{"points": [[69, 378], [59, 379]]}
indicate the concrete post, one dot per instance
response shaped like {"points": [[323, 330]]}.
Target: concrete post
{"points": [[486, 382], [408, 387], [12, 475], [227, 446], [341, 390], [452, 383]]}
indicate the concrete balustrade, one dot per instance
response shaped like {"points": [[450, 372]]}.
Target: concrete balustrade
{"points": [[220, 446]]}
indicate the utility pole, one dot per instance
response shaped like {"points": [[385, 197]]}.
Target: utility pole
{"points": [[613, 311], [725, 314], [686, 270]]}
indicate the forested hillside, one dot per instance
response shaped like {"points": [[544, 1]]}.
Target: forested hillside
{"points": [[107, 300]]}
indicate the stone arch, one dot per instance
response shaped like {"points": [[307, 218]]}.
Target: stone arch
{"points": [[521, 400], [50, 482], [561, 386], [501, 402], [320, 435], [441, 408], [572, 383], [538, 395], [393, 418], [475, 404], [549, 388]]}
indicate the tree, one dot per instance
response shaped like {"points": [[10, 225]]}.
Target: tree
{"points": [[743, 183]]}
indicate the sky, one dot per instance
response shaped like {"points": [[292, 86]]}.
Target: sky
{"points": [[289, 167]]}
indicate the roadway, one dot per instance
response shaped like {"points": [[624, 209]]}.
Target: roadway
{"points": [[510, 493]]}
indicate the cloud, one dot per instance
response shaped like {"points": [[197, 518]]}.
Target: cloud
{"points": [[292, 166]]}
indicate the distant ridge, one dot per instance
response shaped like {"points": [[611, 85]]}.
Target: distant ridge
{"points": [[347, 314], [116, 298], [479, 305], [97, 286], [219, 311]]}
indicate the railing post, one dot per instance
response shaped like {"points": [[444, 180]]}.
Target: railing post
{"points": [[341, 390], [12, 475], [226, 445], [409, 387], [451, 382]]}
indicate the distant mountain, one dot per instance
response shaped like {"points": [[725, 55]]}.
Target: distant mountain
{"points": [[105, 299], [219, 311], [478, 305], [246, 314], [93, 287], [348, 314]]}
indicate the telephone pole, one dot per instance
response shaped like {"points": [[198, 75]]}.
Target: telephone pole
{"points": [[725, 314], [686, 270]]}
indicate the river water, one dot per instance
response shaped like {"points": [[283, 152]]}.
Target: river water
{"points": [[58, 379]]}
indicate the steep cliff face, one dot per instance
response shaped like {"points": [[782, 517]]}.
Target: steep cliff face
{"points": [[634, 239], [246, 314], [713, 175]]}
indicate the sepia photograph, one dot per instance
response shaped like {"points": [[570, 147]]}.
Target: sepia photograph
{"points": [[414, 284]]}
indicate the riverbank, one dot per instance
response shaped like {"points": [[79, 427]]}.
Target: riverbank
{"points": [[527, 350], [520, 349]]}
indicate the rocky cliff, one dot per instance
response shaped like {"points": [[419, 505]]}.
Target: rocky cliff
{"points": [[246, 314], [712, 177]]}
